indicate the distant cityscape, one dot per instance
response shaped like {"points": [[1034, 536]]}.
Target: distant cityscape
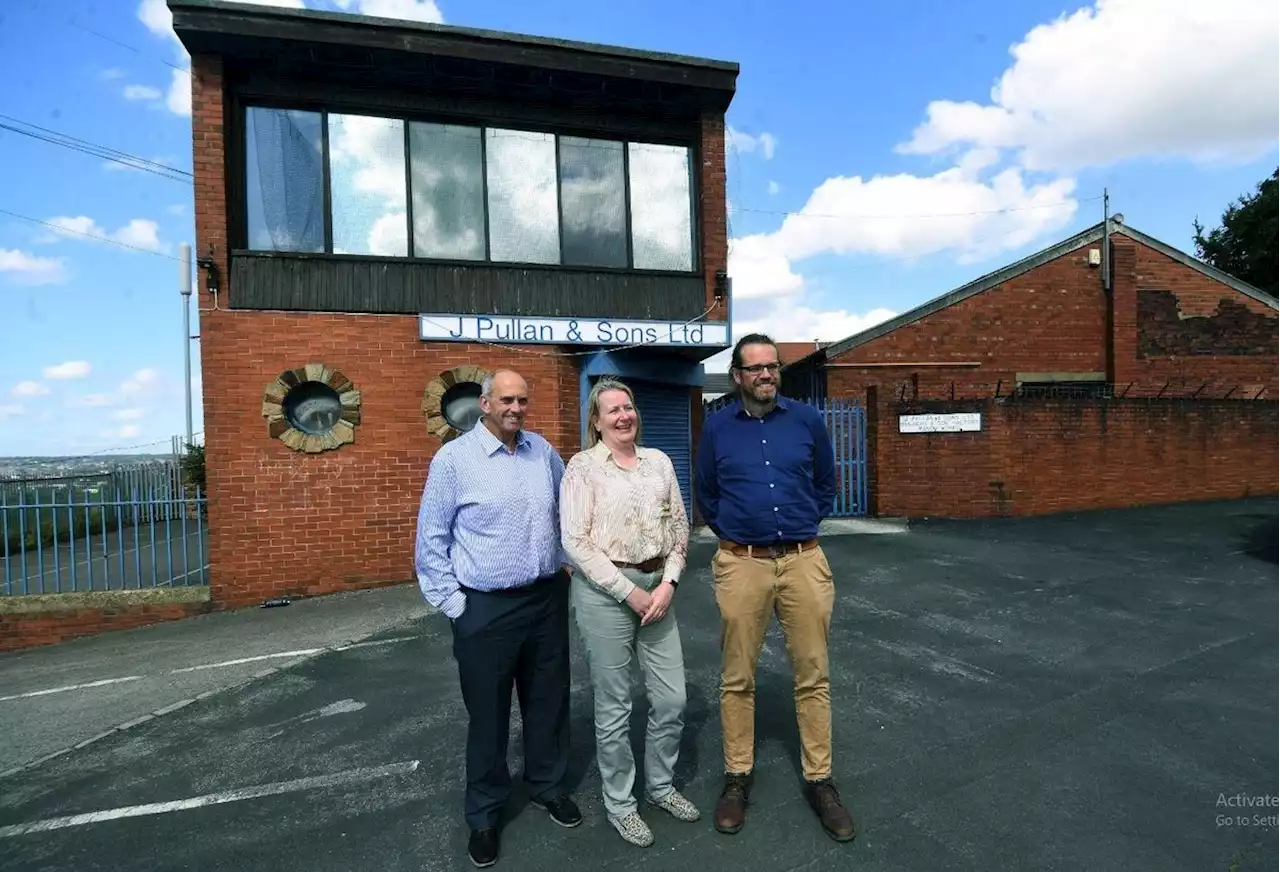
{"points": [[43, 468]]}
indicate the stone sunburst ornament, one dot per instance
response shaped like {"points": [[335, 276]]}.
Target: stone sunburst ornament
{"points": [[312, 408], [451, 401]]}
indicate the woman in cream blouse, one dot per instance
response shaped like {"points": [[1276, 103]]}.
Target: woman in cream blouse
{"points": [[623, 525]]}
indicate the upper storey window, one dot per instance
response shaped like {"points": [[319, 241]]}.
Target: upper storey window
{"points": [[389, 187]]}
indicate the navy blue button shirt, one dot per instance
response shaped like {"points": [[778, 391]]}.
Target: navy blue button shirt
{"points": [[765, 480]]}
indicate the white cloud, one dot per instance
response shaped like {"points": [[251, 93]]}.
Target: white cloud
{"points": [[112, 74], [882, 215], [774, 188], [178, 97], [140, 381], [29, 389], [411, 10], [12, 411], [128, 431], [69, 370], [93, 400], [27, 269], [129, 414], [746, 143], [139, 232], [141, 92], [788, 320], [1125, 79]]}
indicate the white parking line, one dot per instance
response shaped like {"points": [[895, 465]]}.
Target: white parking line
{"points": [[75, 820], [299, 653], [70, 687]]}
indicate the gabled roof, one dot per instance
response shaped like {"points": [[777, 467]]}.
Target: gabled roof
{"points": [[1080, 240]]}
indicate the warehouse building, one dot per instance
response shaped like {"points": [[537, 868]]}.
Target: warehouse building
{"points": [[1108, 370], [385, 212]]}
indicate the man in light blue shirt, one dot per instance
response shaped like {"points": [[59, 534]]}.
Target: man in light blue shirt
{"points": [[489, 556]]}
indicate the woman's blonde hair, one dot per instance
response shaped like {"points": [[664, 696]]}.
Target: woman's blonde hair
{"points": [[593, 407]]}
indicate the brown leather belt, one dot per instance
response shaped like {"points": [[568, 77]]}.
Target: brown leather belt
{"points": [[775, 551], [653, 564]]}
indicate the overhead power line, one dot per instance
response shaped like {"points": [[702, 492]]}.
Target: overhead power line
{"points": [[93, 149], [112, 39], [105, 239], [1057, 204]]}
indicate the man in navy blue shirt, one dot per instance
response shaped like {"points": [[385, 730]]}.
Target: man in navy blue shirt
{"points": [[766, 477]]}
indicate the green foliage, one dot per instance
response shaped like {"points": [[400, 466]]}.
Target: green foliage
{"points": [[1245, 246], [193, 467]]}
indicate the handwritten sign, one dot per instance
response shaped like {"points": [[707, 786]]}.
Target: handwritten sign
{"points": [[569, 331], [961, 422]]}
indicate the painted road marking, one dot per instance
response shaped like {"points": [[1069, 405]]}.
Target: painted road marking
{"points": [[350, 776], [301, 652], [70, 687], [377, 642]]}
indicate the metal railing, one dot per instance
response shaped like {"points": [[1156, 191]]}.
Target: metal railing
{"points": [[127, 529]]}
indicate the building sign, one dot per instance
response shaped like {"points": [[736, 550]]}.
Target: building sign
{"points": [[964, 422], [569, 331]]}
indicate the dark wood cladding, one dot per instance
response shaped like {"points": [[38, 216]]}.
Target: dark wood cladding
{"points": [[367, 285], [584, 114]]}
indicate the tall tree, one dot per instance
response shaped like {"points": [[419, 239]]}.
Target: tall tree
{"points": [[1245, 246]]}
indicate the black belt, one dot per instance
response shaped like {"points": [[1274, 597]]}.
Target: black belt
{"points": [[774, 549], [653, 564]]}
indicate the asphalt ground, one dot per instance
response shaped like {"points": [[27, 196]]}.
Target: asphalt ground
{"points": [[1080, 692], [122, 560]]}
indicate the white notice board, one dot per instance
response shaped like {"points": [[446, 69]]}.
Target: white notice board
{"points": [[960, 422]]}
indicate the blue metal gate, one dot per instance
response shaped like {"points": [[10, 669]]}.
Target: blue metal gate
{"points": [[846, 422], [666, 424]]}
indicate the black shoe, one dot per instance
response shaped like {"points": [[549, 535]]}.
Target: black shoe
{"points": [[483, 847], [562, 810]]}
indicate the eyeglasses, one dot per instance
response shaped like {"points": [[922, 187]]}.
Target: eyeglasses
{"points": [[756, 369]]}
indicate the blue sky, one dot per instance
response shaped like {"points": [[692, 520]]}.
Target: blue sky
{"points": [[880, 154]]}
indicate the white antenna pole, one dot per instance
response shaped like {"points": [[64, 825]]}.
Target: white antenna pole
{"points": [[184, 288]]}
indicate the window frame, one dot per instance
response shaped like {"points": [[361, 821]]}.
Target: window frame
{"points": [[236, 127]]}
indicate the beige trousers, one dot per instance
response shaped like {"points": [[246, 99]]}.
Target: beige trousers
{"points": [[799, 589]]}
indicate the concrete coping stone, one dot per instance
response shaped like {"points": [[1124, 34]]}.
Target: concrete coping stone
{"points": [[102, 599]]}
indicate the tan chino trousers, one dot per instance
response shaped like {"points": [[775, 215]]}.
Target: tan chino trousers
{"points": [[799, 588]]}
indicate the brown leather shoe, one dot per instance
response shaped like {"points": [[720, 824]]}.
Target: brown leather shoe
{"points": [[731, 807], [825, 802]]}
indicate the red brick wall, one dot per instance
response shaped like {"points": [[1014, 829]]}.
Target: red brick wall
{"points": [[712, 206], [1155, 357], [1054, 318], [1043, 456], [284, 523], [28, 630]]}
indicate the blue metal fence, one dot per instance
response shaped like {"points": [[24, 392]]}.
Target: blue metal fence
{"points": [[128, 528], [846, 422]]}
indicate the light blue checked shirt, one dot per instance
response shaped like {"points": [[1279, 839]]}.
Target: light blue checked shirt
{"points": [[489, 519]]}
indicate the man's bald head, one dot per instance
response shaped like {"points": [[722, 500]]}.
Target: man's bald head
{"points": [[504, 397]]}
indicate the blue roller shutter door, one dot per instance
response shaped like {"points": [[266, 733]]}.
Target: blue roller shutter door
{"points": [[664, 412]]}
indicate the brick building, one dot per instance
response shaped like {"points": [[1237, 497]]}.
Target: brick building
{"points": [[386, 211], [1056, 384]]}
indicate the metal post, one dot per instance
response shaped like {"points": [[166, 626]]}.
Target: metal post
{"points": [[184, 288], [1106, 240]]}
